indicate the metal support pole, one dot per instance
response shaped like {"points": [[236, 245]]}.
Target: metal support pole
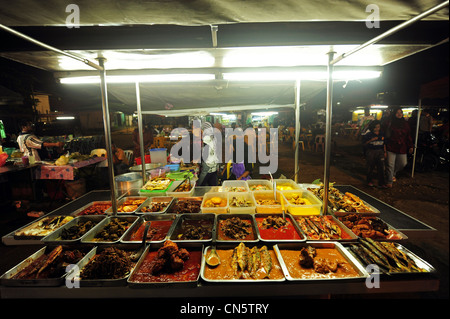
{"points": [[107, 126], [297, 127], [326, 177], [419, 112], [141, 132], [392, 31]]}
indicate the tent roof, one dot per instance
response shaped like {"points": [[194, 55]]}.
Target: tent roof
{"points": [[206, 12]]}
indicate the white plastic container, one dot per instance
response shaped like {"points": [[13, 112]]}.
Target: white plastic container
{"points": [[312, 207], [276, 208], [259, 182], [227, 186], [158, 155], [215, 210], [242, 210]]}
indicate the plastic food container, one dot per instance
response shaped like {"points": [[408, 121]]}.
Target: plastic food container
{"points": [[235, 186], [158, 155], [215, 210], [312, 207], [259, 182], [242, 210], [286, 184], [268, 195]]}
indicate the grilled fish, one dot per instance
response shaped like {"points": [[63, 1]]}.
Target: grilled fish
{"points": [[266, 260], [255, 261]]}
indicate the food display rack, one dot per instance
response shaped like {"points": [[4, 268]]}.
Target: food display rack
{"points": [[17, 251]]}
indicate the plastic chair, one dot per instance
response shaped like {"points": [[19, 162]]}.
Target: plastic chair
{"points": [[320, 142], [129, 156]]}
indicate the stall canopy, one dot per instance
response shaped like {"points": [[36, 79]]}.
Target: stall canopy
{"points": [[175, 37]]}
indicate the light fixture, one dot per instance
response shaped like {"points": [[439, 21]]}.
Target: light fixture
{"points": [[65, 117], [307, 75], [151, 78], [264, 113]]}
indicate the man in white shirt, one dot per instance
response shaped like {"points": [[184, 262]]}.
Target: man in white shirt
{"points": [[29, 144]]}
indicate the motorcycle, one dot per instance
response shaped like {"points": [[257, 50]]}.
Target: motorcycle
{"points": [[431, 152]]}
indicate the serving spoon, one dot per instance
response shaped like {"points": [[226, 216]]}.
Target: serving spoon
{"points": [[137, 254], [213, 259]]}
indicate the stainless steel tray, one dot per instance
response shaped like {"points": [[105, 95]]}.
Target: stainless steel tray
{"points": [[123, 200], [402, 235], [7, 280], [250, 217], [429, 269], [362, 273], [55, 237], [351, 235], [126, 239], [288, 217], [89, 236], [186, 217], [234, 281], [156, 199], [79, 210], [178, 199], [179, 284], [105, 282]]}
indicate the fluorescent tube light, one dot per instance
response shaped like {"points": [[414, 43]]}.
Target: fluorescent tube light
{"points": [[65, 117], [154, 78], [308, 75]]}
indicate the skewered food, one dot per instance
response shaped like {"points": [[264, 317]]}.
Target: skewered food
{"points": [[43, 227], [111, 263], [385, 255], [319, 228], [51, 265], [184, 187], [339, 202], [369, 227]]}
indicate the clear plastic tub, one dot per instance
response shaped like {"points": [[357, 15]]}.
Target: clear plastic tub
{"points": [[216, 210], [242, 210], [259, 184], [269, 208], [172, 192], [286, 184], [311, 207], [235, 186], [158, 155]]}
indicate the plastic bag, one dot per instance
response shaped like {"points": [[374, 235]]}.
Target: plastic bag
{"points": [[3, 158]]}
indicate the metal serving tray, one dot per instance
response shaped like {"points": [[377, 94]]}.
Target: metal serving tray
{"points": [[232, 246], [185, 217], [89, 236], [123, 200], [79, 210], [178, 284], [352, 236], [7, 280], [55, 237], [362, 273], [293, 222], [419, 261], [126, 239], [105, 282], [156, 199], [250, 217], [402, 235], [178, 199]]}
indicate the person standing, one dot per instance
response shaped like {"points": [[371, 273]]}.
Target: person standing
{"points": [[398, 145], [375, 153], [208, 174], [147, 136], [30, 144]]}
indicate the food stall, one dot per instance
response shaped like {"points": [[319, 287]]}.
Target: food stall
{"points": [[284, 284]]}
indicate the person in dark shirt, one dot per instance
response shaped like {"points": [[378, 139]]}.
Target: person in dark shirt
{"points": [[375, 153]]}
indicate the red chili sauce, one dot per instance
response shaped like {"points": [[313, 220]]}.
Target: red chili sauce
{"points": [[190, 271], [157, 231], [283, 233]]}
